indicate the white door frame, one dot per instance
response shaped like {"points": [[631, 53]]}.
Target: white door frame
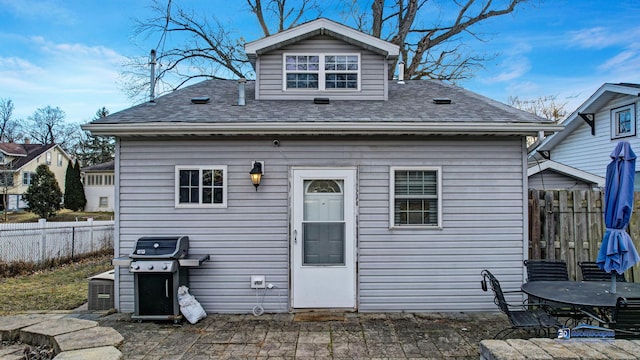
{"points": [[331, 286]]}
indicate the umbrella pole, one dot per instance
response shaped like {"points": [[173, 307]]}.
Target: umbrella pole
{"points": [[613, 282]]}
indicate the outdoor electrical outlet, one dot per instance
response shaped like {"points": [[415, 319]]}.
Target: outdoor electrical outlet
{"points": [[258, 282]]}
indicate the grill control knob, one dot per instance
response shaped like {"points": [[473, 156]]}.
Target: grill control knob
{"points": [[164, 267], [135, 267], [150, 267], [156, 245]]}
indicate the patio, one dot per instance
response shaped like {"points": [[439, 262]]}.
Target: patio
{"points": [[360, 336]]}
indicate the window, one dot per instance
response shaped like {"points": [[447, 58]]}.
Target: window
{"points": [[623, 121], [322, 71], [59, 159], [416, 199], [93, 180], [26, 178], [201, 186], [108, 179], [48, 158], [104, 202], [6, 178]]}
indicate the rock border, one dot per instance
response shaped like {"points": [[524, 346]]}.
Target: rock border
{"points": [[71, 338]]}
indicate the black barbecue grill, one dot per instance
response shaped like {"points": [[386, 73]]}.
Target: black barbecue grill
{"points": [[160, 266]]}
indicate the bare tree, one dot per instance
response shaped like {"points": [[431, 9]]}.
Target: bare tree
{"points": [[47, 126], [545, 106], [202, 47], [9, 128]]}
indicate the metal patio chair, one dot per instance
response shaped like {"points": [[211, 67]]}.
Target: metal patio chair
{"points": [[529, 317], [552, 270], [626, 318], [546, 270], [592, 272]]}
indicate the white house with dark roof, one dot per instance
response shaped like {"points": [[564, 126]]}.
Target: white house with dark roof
{"points": [[375, 195], [581, 151], [99, 186]]}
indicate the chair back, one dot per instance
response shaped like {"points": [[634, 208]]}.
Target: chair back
{"points": [[592, 272], [499, 298], [546, 270], [626, 318]]}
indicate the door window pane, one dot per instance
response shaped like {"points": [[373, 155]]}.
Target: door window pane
{"points": [[323, 227], [323, 243]]}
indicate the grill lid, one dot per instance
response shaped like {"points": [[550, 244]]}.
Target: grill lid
{"points": [[161, 247]]}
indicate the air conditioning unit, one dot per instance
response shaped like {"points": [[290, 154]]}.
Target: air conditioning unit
{"points": [[101, 291]]}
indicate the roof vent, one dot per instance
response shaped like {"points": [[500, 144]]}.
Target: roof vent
{"points": [[320, 100], [200, 100], [441, 101]]}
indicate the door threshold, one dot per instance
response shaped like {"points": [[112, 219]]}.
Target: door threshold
{"points": [[319, 316]]}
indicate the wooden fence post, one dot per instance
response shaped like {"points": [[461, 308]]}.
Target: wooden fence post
{"points": [[535, 236], [549, 226]]}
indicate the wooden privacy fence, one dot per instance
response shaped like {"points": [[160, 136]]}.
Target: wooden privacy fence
{"points": [[574, 219]]}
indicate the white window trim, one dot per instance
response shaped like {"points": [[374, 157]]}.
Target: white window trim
{"points": [[392, 178], [614, 121], [321, 71], [225, 185]]}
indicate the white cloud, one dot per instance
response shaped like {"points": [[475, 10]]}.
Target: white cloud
{"points": [[77, 78], [602, 37]]}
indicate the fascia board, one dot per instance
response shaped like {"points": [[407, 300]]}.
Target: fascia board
{"points": [[271, 41], [324, 128]]}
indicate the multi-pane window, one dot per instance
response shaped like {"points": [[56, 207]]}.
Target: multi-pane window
{"points": [[48, 158], [322, 71], [59, 159], [103, 202], [26, 178], [623, 121], [201, 186], [416, 197]]}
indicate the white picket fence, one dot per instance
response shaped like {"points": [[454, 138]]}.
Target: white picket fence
{"points": [[43, 241]]}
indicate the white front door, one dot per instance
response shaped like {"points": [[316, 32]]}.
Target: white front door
{"points": [[323, 239]]}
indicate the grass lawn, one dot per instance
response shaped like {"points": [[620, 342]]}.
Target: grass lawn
{"points": [[62, 288], [61, 215]]}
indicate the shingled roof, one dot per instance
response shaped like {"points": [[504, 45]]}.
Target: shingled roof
{"points": [[411, 108], [24, 153]]}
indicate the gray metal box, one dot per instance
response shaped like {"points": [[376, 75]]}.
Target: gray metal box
{"points": [[101, 291]]}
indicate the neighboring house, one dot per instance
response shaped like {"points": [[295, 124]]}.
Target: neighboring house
{"points": [[99, 187], [591, 133], [18, 163], [376, 195]]}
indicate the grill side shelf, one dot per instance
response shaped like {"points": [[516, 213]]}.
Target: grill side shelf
{"points": [[193, 260], [121, 261]]}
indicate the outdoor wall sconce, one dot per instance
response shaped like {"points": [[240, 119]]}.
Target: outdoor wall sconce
{"points": [[256, 174]]}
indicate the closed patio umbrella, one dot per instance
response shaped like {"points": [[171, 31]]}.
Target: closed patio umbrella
{"points": [[617, 252]]}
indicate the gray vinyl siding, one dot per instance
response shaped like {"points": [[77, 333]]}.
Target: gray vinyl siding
{"points": [[551, 180], [270, 72], [590, 153], [399, 269]]}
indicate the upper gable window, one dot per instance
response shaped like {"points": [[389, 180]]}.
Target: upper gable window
{"points": [[623, 121], [322, 71]]}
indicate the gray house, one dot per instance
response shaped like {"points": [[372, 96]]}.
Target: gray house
{"points": [[375, 195]]}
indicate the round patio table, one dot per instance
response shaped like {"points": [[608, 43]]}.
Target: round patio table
{"points": [[581, 293]]}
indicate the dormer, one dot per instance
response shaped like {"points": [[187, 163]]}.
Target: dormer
{"points": [[321, 59]]}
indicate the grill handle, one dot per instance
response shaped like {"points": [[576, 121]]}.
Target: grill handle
{"points": [[166, 288]]}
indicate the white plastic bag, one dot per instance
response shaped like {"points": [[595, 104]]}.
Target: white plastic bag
{"points": [[189, 306]]}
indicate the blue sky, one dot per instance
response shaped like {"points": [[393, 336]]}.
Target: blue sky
{"points": [[69, 53]]}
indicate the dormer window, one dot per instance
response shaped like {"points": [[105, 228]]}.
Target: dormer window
{"points": [[324, 72]]}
